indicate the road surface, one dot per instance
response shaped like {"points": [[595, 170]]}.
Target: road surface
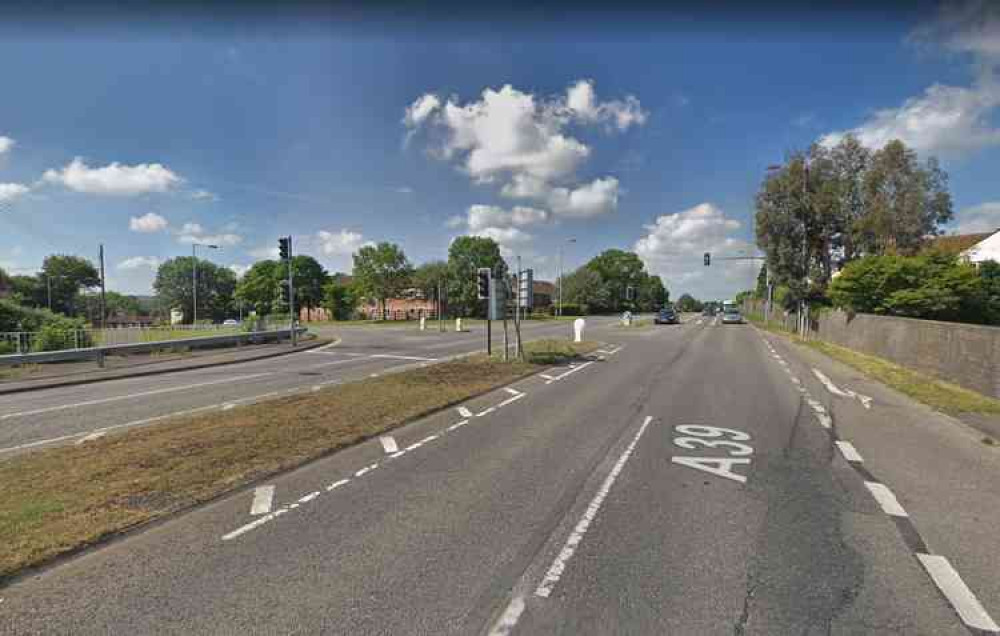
{"points": [[699, 479]]}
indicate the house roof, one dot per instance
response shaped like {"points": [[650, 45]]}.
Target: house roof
{"points": [[987, 249], [543, 287], [958, 243]]}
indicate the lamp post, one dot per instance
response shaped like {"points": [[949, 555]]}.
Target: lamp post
{"points": [[194, 279], [559, 307]]}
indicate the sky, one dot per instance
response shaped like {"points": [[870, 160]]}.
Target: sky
{"points": [[639, 131]]}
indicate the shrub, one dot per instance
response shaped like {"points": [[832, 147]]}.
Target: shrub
{"points": [[570, 309]]}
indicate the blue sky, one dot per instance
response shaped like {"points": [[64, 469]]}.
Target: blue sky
{"points": [[645, 136]]}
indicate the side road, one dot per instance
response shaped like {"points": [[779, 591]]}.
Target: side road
{"points": [[945, 477], [194, 360]]}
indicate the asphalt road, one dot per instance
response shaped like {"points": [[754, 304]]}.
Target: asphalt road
{"points": [[693, 481], [63, 415]]}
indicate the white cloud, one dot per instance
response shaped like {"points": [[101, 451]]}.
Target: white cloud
{"points": [[479, 217], [194, 233], [673, 246], [945, 119], [512, 137], [204, 195], [592, 199], [138, 262], [341, 243], [6, 143], [265, 253], [239, 270], [984, 217], [404, 190], [11, 191], [147, 223], [506, 237], [113, 179]]}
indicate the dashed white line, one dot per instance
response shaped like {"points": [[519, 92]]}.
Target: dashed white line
{"points": [[886, 499], [309, 497], [508, 620], [458, 425], [957, 592], [850, 453], [262, 498], [337, 484], [558, 566], [365, 470], [388, 444]]}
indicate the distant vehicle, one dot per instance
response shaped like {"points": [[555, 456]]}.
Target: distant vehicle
{"points": [[708, 310], [731, 313], [230, 323], [666, 316]]}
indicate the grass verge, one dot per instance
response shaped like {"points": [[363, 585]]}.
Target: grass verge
{"points": [[61, 499]]}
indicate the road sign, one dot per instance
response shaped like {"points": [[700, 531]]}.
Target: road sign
{"points": [[526, 288]]}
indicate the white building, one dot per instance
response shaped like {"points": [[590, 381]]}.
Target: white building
{"points": [[987, 249]]}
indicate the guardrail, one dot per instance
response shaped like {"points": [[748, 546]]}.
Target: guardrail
{"points": [[98, 353]]}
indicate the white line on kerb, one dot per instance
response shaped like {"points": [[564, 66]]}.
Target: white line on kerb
{"points": [[262, 498], [558, 566], [957, 592], [130, 396], [89, 438], [886, 499], [388, 444], [850, 453]]}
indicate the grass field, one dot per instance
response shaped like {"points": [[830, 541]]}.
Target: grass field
{"points": [[64, 498]]}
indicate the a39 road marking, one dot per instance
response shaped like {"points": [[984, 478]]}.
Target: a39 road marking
{"points": [[697, 437]]}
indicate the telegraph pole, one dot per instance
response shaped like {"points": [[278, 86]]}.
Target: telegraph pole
{"points": [[103, 310]]}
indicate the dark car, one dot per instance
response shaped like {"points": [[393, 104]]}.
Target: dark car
{"points": [[666, 316]]}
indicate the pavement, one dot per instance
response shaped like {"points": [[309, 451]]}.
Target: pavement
{"points": [[692, 479]]}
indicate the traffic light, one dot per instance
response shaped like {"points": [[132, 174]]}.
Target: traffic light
{"points": [[285, 247], [483, 275], [526, 288], [708, 259]]}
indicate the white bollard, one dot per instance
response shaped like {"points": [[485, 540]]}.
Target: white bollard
{"points": [[578, 330], [423, 323], [458, 324]]}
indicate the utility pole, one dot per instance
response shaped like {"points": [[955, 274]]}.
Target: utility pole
{"points": [[103, 309], [194, 280], [285, 251]]}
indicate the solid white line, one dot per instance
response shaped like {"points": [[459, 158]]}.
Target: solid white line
{"points": [[957, 592], [457, 425], [886, 499], [395, 357], [91, 437], [573, 370], [388, 444], [325, 347], [508, 620], [850, 453], [509, 400], [414, 446], [547, 377], [330, 364], [828, 383], [429, 438], [511, 391], [228, 407], [337, 484], [262, 498], [119, 398], [464, 412], [486, 412], [365, 470], [558, 566], [309, 497]]}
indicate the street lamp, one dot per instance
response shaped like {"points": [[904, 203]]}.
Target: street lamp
{"points": [[559, 307], [194, 280]]}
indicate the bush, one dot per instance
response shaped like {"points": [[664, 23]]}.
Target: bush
{"points": [[569, 309]]}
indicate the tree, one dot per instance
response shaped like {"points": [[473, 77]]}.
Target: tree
{"points": [[260, 286], [115, 304], [618, 270], [26, 291], [465, 255], [652, 294], [66, 274], [309, 279], [585, 288], [339, 299], [427, 277], [381, 271], [761, 291], [687, 302], [215, 287], [989, 276]]}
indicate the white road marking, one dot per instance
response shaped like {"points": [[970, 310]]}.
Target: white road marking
{"points": [[262, 498], [511, 391], [395, 357], [558, 566], [824, 420], [429, 438], [464, 411], [309, 497], [508, 620], [337, 484], [228, 406], [571, 371], [957, 592], [486, 412], [865, 400], [365, 470], [253, 524], [886, 499], [325, 347], [546, 376], [414, 446], [850, 453], [388, 444], [516, 397], [399, 454], [119, 398], [458, 425], [91, 437]]}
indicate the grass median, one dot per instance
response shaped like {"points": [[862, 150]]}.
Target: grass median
{"points": [[61, 499]]}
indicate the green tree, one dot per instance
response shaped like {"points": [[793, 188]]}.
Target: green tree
{"points": [[309, 280], [26, 291], [66, 275], [339, 299], [465, 255], [426, 277], [652, 293], [115, 304], [687, 302], [585, 288], [260, 287], [618, 270], [381, 271], [216, 286]]}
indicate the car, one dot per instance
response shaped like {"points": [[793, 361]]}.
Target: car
{"points": [[230, 323], [666, 316], [731, 314], [708, 310]]}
